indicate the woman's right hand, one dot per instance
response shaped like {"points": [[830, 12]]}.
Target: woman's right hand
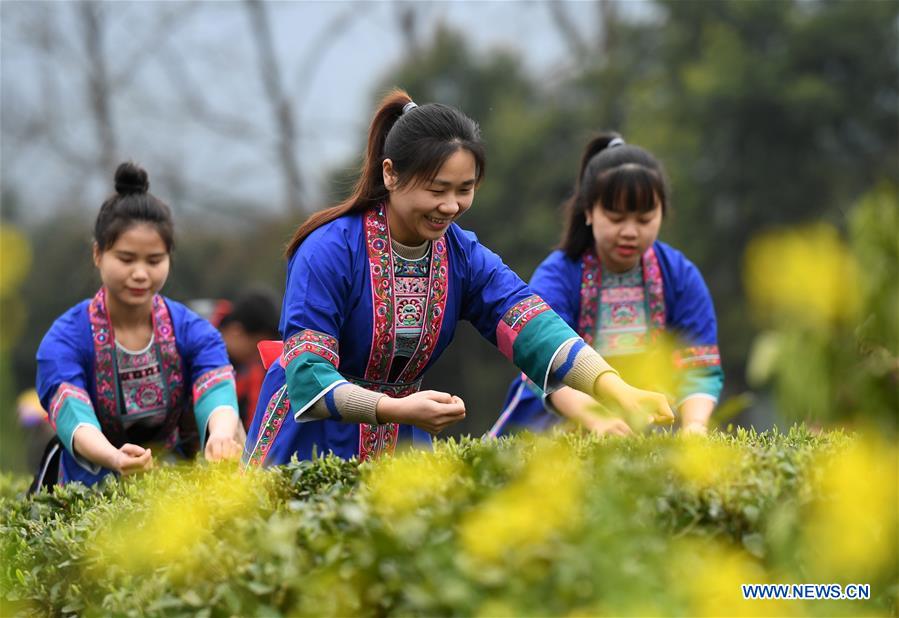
{"points": [[432, 411], [131, 458], [637, 406]]}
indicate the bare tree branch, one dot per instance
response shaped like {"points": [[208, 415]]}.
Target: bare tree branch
{"points": [[98, 84], [320, 46], [198, 107], [407, 18], [568, 29], [156, 38], [269, 71], [608, 22]]}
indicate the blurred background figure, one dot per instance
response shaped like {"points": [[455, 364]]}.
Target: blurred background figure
{"points": [[34, 425], [252, 317], [252, 128]]}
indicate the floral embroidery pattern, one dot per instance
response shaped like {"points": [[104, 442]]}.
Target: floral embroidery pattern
{"points": [[313, 341], [590, 280], [211, 379], [275, 413], [434, 311], [524, 311], [655, 294], [105, 367], [377, 439], [697, 356], [380, 261]]}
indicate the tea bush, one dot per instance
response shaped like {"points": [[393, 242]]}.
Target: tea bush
{"points": [[562, 525]]}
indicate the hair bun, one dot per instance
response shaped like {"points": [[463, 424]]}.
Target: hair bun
{"points": [[131, 178]]}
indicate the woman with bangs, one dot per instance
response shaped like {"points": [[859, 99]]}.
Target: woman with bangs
{"points": [[375, 288], [628, 295]]}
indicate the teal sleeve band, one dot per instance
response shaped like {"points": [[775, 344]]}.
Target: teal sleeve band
{"points": [[701, 381], [222, 394], [309, 377], [72, 415], [537, 343]]}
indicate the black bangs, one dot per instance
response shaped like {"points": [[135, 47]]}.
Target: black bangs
{"points": [[628, 188], [617, 176]]}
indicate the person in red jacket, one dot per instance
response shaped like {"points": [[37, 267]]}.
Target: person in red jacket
{"points": [[251, 318]]}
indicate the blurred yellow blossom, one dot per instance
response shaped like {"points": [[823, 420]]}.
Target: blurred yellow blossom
{"points": [[805, 275], [170, 524], [15, 259], [703, 462], [710, 575], [851, 532], [399, 485], [546, 499]]}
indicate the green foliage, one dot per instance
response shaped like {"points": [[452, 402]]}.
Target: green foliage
{"points": [[839, 369], [414, 534]]}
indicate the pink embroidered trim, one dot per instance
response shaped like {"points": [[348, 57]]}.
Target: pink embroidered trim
{"points": [[591, 277], [104, 364], [377, 440], [313, 341], [65, 392], [515, 319], [210, 379], [380, 261], [697, 356], [655, 293], [275, 412], [374, 440], [105, 367]]}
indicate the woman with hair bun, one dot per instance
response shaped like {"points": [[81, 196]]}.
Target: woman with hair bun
{"points": [[621, 288], [130, 370], [375, 288]]}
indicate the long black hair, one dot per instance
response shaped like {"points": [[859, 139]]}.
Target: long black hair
{"points": [[417, 139], [617, 176]]}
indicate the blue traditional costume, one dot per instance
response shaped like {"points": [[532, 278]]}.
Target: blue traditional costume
{"points": [[621, 315], [356, 312], [85, 378]]}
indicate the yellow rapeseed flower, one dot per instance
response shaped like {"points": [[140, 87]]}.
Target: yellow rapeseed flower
{"points": [[710, 574], [176, 521], [851, 532], [703, 462], [545, 500], [15, 259], [805, 275], [399, 485]]}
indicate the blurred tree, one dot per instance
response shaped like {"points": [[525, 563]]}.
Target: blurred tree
{"points": [[752, 107], [756, 110]]}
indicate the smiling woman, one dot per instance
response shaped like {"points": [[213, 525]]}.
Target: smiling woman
{"points": [[635, 299], [375, 288], [117, 373]]}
